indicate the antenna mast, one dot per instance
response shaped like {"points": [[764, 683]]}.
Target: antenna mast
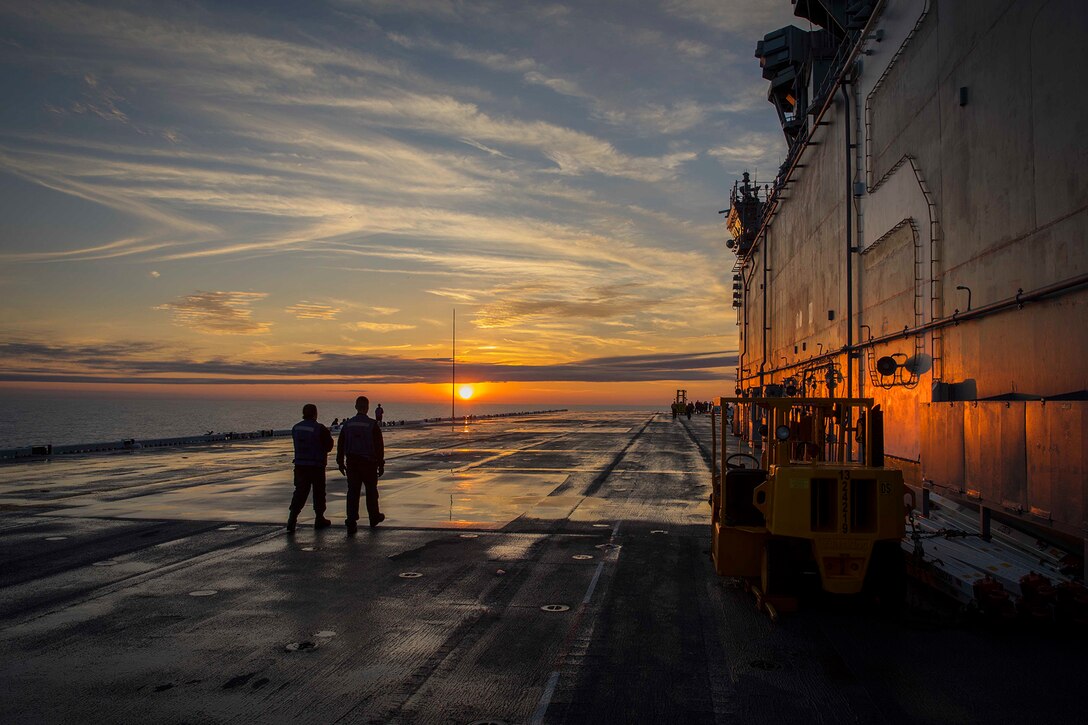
{"points": [[453, 373]]}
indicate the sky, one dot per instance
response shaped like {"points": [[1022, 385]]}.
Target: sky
{"points": [[245, 198]]}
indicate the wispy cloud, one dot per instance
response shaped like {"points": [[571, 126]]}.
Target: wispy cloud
{"points": [[217, 313], [492, 60], [109, 250], [312, 311], [98, 100], [519, 305], [573, 152], [562, 86], [663, 119], [750, 151], [741, 17], [381, 326], [694, 48]]}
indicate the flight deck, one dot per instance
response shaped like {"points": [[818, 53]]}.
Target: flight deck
{"points": [[551, 568]]}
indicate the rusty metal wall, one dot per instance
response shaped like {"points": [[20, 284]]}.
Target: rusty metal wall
{"points": [[942, 444], [995, 453], [969, 178], [1026, 458], [1057, 461]]}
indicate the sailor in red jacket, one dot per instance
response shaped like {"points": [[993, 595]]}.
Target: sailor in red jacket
{"points": [[312, 445], [360, 455]]}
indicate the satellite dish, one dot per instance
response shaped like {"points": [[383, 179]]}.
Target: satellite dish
{"points": [[887, 366]]}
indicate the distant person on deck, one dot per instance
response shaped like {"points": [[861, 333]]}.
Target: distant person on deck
{"points": [[360, 455], [379, 414], [690, 409], [312, 445]]}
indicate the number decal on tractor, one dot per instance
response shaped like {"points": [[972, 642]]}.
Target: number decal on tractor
{"points": [[885, 488]]}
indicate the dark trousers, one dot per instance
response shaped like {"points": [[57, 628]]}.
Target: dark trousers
{"points": [[362, 473], [307, 477]]}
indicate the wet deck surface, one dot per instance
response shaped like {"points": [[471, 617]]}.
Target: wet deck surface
{"points": [[160, 586]]}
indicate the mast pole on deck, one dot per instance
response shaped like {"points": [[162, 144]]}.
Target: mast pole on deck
{"points": [[453, 373]]}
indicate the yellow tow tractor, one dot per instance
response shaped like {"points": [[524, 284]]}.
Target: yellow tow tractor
{"points": [[819, 511]]}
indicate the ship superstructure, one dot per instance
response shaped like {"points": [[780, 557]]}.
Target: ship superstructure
{"points": [[925, 243]]}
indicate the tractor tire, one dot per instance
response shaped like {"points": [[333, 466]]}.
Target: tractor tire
{"points": [[777, 572], [886, 580]]}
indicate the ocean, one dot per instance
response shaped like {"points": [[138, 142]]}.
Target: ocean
{"points": [[62, 418]]}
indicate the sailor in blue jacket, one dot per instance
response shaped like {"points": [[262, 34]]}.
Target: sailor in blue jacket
{"points": [[360, 455], [312, 445]]}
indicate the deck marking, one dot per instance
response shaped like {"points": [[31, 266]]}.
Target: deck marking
{"points": [[553, 679], [593, 583], [545, 699]]}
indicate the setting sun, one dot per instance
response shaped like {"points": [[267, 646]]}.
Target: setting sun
{"points": [[465, 391]]}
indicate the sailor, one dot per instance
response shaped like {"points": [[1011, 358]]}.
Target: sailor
{"points": [[360, 455], [312, 445]]}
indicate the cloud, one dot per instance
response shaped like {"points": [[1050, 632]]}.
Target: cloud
{"points": [[486, 149], [380, 326], [491, 60], [264, 70], [750, 151], [447, 10], [694, 48], [561, 86], [217, 313], [440, 153], [455, 294], [319, 180], [108, 250], [128, 363], [82, 353], [154, 274], [166, 43], [346, 195], [519, 305], [740, 17], [312, 311], [679, 117], [572, 151]]}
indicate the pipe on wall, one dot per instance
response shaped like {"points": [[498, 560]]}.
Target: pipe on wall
{"points": [[849, 205], [1018, 300]]}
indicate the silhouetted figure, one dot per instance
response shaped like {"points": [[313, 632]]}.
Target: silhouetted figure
{"points": [[360, 455], [690, 409], [335, 422], [379, 414], [312, 445]]}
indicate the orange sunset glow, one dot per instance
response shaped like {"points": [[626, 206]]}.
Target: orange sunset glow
{"points": [[309, 221]]}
